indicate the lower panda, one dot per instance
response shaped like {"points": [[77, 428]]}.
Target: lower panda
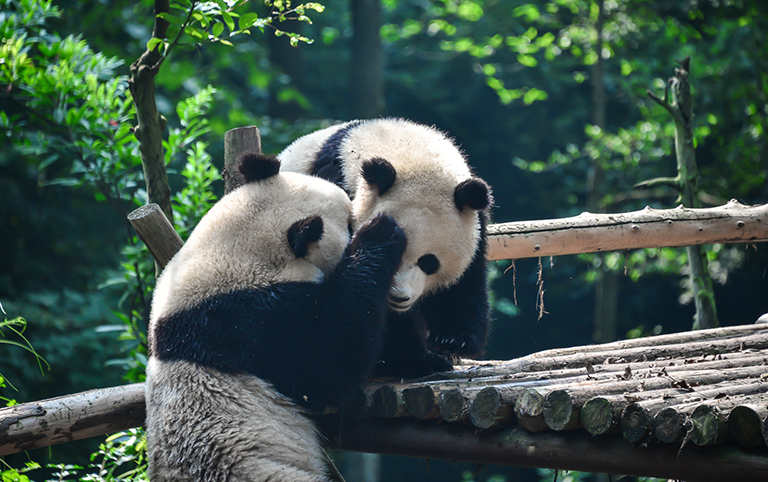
{"points": [[438, 303], [268, 313]]}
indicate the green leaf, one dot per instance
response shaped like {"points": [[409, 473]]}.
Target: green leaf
{"points": [[530, 12], [170, 18], [153, 43], [527, 60], [217, 29], [247, 20], [228, 20]]}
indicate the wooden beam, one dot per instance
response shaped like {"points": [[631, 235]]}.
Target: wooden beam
{"points": [[555, 450], [71, 417], [647, 228]]}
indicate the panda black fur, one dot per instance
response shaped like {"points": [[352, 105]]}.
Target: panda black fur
{"points": [[267, 313], [417, 175]]}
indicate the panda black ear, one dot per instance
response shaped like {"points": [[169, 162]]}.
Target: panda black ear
{"points": [[473, 193], [380, 173], [304, 232], [257, 167]]}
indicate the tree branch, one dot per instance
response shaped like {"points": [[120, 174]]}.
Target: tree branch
{"points": [[150, 124]]}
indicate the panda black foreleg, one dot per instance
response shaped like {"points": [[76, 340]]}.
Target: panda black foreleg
{"points": [[458, 317], [351, 307], [405, 353]]}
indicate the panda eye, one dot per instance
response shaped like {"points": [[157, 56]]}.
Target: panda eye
{"points": [[429, 263]]}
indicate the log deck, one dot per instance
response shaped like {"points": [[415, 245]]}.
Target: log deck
{"points": [[689, 406]]}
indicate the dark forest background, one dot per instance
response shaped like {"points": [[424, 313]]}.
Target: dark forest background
{"points": [[548, 99]]}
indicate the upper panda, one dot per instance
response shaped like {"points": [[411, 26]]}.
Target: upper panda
{"points": [[417, 175], [267, 311]]}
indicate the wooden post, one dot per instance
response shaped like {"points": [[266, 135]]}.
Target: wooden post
{"points": [[236, 142], [157, 233]]}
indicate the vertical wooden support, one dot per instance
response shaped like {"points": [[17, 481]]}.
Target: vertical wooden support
{"points": [[236, 142]]}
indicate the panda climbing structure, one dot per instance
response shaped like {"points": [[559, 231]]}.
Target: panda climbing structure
{"points": [[416, 174], [267, 313]]}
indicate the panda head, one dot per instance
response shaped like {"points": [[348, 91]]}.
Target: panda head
{"points": [[439, 211], [276, 227]]}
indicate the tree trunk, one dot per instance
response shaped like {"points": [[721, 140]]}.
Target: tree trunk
{"points": [[150, 127], [678, 102], [607, 283], [366, 83]]}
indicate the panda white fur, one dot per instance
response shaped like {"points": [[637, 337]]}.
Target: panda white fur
{"points": [[267, 313], [416, 174]]}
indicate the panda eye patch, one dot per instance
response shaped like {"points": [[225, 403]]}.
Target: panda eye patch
{"points": [[429, 263]]}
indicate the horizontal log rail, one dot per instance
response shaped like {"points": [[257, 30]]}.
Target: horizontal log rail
{"points": [[586, 233], [647, 228]]}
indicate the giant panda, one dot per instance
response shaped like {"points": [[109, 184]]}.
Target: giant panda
{"points": [[416, 174], [267, 314]]}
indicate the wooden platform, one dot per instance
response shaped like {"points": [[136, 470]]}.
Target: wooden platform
{"points": [[690, 406]]}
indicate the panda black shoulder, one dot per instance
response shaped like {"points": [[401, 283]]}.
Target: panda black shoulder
{"points": [[257, 167]]}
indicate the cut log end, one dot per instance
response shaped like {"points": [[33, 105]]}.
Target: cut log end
{"points": [[484, 411], [635, 423], [529, 409], [597, 416], [668, 425], [745, 425], [453, 405], [420, 402]]}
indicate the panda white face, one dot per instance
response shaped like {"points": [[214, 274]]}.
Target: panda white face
{"points": [[243, 241], [441, 239]]}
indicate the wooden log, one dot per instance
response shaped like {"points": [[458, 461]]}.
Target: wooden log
{"points": [[529, 410], [603, 413], [491, 410], [669, 424], [421, 402], [387, 401], [487, 410], [562, 410], [625, 376], [638, 419], [556, 450], [647, 228], [708, 425], [156, 232], [598, 416], [454, 405], [71, 417], [745, 423], [236, 142], [698, 343]]}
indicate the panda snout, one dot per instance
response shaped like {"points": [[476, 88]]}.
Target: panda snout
{"points": [[399, 303]]}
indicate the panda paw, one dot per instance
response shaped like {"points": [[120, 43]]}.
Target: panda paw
{"points": [[381, 231], [467, 344], [424, 366]]}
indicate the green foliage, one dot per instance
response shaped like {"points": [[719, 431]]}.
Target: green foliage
{"points": [[121, 458], [16, 326], [190, 203], [467, 476], [220, 21], [550, 475], [64, 105]]}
